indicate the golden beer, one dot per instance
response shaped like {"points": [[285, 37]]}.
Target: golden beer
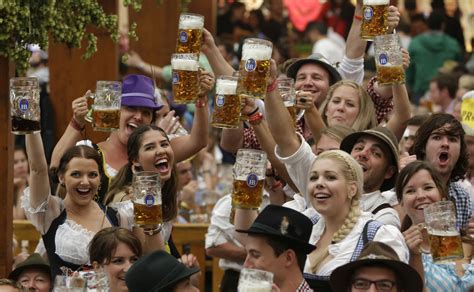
{"points": [[105, 119], [254, 68], [247, 193], [185, 78], [292, 110], [375, 18], [387, 75], [445, 246], [190, 33], [227, 106], [147, 216]]}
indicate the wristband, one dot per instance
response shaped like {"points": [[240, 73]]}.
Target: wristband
{"points": [[152, 231], [256, 118], [276, 185], [272, 86], [358, 17], [200, 103], [253, 112], [75, 125]]}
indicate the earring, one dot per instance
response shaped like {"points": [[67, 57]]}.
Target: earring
{"points": [[63, 184]]}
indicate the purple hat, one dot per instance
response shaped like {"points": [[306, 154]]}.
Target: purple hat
{"points": [[139, 91]]}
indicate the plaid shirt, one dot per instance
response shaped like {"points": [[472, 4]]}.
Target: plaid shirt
{"points": [[463, 203], [304, 287]]}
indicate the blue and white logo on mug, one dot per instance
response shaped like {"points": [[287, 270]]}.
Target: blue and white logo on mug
{"points": [[250, 65], [149, 200], [220, 100], [383, 59], [368, 13], [23, 104], [175, 78], [183, 37], [252, 180]]}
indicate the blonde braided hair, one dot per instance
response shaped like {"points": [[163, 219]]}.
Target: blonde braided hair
{"points": [[352, 172]]}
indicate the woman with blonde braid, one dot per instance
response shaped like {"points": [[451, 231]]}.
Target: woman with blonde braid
{"points": [[334, 187]]}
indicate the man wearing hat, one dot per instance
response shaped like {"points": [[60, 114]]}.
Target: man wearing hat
{"points": [[33, 273], [160, 271], [377, 268], [277, 242]]}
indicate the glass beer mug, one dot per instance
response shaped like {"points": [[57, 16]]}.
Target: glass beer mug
{"points": [[249, 175], [286, 87], [226, 113], [25, 105], [190, 33], [104, 113], [254, 68], [185, 77], [147, 199], [375, 18], [445, 240], [253, 280], [389, 60]]}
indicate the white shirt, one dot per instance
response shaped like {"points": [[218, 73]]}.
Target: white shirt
{"points": [[220, 229], [329, 49], [342, 251], [370, 201]]}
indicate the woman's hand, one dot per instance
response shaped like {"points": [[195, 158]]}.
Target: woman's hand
{"points": [[393, 17], [208, 43], [273, 73], [413, 238], [406, 59], [206, 83], [80, 108], [248, 105], [169, 123]]}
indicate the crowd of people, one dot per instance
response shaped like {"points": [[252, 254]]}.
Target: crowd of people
{"points": [[344, 190]]}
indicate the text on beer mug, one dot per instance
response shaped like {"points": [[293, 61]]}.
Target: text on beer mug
{"points": [[254, 68], [185, 78], [25, 105], [253, 280], [389, 60], [249, 174], [374, 18], [226, 112], [445, 240], [105, 103], [190, 33], [147, 199]]}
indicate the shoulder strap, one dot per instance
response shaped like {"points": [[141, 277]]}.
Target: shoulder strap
{"points": [[368, 234], [105, 180], [381, 207]]}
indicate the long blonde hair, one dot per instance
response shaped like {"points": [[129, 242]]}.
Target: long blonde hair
{"points": [[352, 172], [366, 119]]}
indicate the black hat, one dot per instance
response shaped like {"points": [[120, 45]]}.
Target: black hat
{"points": [[317, 59], [33, 261], [156, 272], [388, 138], [285, 224], [377, 253]]}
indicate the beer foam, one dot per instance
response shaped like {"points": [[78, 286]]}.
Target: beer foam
{"points": [[253, 286], [256, 51], [191, 23], [186, 65], [376, 2], [443, 233], [226, 87]]}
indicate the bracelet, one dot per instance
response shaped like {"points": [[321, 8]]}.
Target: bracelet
{"points": [[253, 112], [200, 103], [358, 17], [205, 171], [256, 118], [272, 86], [75, 125], [153, 231], [276, 185]]}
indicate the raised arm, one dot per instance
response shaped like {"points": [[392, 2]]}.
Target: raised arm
{"points": [[72, 134], [218, 63], [279, 119], [186, 146], [355, 45], [39, 179], [312, 117], [401, 110]]}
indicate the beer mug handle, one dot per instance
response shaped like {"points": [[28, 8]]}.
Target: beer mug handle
{"points": [[90, 97]]}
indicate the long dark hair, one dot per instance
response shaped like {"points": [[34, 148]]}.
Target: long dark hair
{"points": [[433, 123], [406, 174], [80, 151], [124, 177]]}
